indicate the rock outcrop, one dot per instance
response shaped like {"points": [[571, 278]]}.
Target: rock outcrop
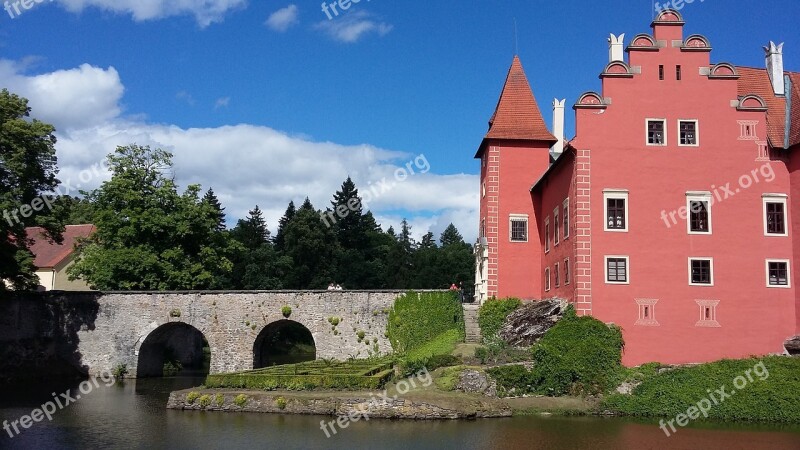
{"points": [[476, 382], [793, 345], [530, 322]]}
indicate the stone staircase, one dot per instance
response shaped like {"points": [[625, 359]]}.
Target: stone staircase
{"points": [[471, 324]]}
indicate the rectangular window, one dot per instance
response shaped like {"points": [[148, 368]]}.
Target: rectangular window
{"points": [[661, 72], [616, 210], [519, 228], [547, 279], [617, 270], [698, 205], [778, 273], [687, 133], [775, 215], [701, 271], [547, 235], [556, 226], [558, 275], [566, 272], [678, 73], [656, 132], [566, 218]]}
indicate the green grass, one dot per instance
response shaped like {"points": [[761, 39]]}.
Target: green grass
{"points": [[434, 354], [772, 397]]}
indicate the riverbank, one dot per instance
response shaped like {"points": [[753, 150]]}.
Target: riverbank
{"points": [[419, 403]]}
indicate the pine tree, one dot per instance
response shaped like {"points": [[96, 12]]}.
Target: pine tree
{"points": [[219, 212], [252, 232], [280, 235]]}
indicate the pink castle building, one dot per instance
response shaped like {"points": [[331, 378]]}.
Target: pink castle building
{"points": [[669, 214]]}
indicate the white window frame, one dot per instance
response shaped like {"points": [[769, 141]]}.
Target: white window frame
{"points": [[776, 198], [647, 131], [547, 235], [711, 269], [649, 305], [699, 196], [627, 269], [567, 273], [518, 218], [556, 225], [788, 273], [566, 219], [547, 279], [696, 133], [616, 194]]}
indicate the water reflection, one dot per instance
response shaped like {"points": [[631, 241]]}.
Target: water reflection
{"points": [[132, 415]]}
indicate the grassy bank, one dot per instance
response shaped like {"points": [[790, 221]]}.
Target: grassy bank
{"points": [[758, 389]]}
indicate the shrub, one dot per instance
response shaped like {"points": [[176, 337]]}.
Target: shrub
{"points": [[171, 368], [240, 400], [772, 396], [286, 311], [280, 402], [119, 372], [493, 313], [191, 397], [219, 400], [334, 321], [417, 318], [361, 335], [175, 313], [205, 401], [579, 355]]}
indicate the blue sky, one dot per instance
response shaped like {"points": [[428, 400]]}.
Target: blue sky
{"points": [[269, 101]]}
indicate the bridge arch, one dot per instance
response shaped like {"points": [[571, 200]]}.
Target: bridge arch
{"points": [[173, 349], [283, 342]]}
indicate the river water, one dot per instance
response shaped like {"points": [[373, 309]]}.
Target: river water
{"points": [[131, 415]]}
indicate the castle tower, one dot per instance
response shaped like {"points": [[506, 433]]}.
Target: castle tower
{"points": [[514, 154]]}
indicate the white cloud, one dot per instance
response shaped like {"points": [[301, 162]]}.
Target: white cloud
{"points": [[250, 165], [185, 97], [222, 102], [353, 26], [68, 99], [205, 12], [283, 19]]}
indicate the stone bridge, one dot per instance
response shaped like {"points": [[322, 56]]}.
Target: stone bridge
{"points": [[95, 332]]}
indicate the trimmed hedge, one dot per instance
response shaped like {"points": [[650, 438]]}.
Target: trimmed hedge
{"points": [[579, 355], [772, 396], [362, 374], [493, 313], [418, 318], [434, 354]]}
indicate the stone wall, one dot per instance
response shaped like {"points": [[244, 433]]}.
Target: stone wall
{"points": [[98, 331]]}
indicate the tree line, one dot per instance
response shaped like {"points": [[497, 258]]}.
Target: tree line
{"points": [[150, 236]]}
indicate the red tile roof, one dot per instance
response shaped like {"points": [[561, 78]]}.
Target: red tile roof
{"points": [[756, 81], [49, 254], [794, 96], [517, 115]]}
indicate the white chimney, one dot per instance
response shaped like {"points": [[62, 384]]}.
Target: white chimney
{"points": [[616, 51], [775, 67], [558, 126]]}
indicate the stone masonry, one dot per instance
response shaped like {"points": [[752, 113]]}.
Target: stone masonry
{"points": [[109, 328]]}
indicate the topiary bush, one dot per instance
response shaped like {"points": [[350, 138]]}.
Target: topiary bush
{"points": [[493, 313], [191, 397], [419, 317], [240, 400]]}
